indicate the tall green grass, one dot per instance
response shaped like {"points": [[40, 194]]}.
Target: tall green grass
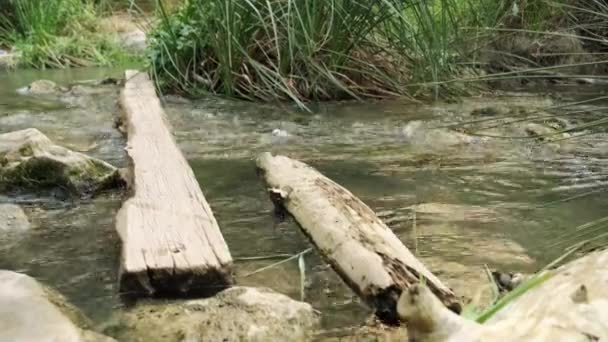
{"points": [[56, 33], [302, 50], [311, 50]]}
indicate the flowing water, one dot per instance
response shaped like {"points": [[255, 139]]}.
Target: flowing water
{"points": [[495, 201]]}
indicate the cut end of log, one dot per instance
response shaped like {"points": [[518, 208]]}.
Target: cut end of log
{"points": [[385, 302], [167, 284]]}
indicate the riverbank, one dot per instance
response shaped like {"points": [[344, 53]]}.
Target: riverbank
{"points": [[385, 49]]}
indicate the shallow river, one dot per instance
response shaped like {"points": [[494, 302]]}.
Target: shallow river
{"points": [[495, 201]]}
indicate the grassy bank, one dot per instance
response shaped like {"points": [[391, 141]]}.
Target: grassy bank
{"points": [[312, 50], [302, 50], [57, 33]]}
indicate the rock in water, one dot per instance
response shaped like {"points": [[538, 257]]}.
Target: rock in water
{"points": [[279, 136], [29, 159], [544, 133], [422, 134], [68, 94], [31, 312], [40, 87], [13, 225], [12, 219], [455, 212], [236, 314], [134, 41]]}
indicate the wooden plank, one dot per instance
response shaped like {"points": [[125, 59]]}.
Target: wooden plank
{"points": [[366, 254], [171, 242]]}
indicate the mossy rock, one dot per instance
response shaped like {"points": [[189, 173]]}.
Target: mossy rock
{"points": [[28, 159], [235, 314]]}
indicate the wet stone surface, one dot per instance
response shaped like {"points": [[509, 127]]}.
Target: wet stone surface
{"points": [[235, 314]]}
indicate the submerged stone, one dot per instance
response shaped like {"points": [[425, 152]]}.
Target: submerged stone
{"points": [[236, 314], [29, 311], [487, 111], [41, 87], [455, 212], [46, 88], [13, 225], [279, 136], [371, 331], [544, 132], [13, 219], [422, 134], [28, 159]]}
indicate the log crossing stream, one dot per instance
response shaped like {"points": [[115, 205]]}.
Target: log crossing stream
{"points": [[171, 242]]}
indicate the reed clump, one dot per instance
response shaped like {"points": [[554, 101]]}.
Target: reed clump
{"points": [[313, 50]]}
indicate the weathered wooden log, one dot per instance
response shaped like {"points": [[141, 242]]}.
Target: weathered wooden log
{"points": [[366, 254], [171, 242], [571, 305]]}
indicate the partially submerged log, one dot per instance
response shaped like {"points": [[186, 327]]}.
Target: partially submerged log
{"points": [[366, 254], [572, 305], [171, 242]]}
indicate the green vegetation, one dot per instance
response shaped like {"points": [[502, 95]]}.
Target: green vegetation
{"points": [[333, 49], [56, 33], [313, 50], [300, 50]]}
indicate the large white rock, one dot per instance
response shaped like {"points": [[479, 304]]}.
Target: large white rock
{"points": [[30, 312], [572, 305]]}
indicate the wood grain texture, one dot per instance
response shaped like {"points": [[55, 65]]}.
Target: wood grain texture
{"points": [[367, 255], [171, 242]]}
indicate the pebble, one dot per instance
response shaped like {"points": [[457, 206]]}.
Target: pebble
{"points": [[280, 133]]}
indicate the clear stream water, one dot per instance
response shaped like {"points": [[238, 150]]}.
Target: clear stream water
{"points": [[493, 201]]}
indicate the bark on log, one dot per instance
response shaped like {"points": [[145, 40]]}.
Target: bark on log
{"points": [[359, 246], [171, 242], [572, 305]]}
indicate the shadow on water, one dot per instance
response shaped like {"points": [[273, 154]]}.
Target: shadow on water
{"points": [[479, 203]]}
